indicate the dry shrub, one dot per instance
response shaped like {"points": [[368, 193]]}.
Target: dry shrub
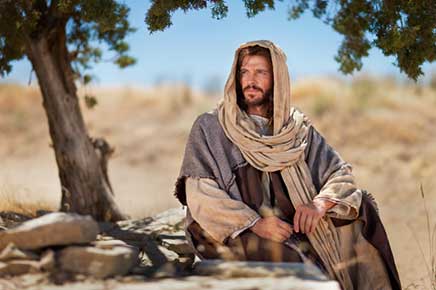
{"points": [[19, 106], [20, 200], [322, 104], [433, 80], [363, 90], [429, 258], [310, 87]]}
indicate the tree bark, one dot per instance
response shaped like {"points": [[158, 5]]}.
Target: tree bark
{"points": [[82, 171]]}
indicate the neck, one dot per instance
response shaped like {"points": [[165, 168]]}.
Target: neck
{"points": [[261, 110]]}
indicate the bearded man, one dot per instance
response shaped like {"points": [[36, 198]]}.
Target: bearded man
{"points": [[261, 183]]}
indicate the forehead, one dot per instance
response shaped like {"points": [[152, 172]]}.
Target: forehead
{"points": [[255, 61]]}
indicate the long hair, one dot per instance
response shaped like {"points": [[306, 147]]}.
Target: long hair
{"points": [[250, 51]]}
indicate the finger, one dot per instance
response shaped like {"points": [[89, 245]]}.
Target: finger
{"points": [[297, 220], [308, 223], [282, 239], [285, 233], [314, 224], [285, 226], [278, 237], [283, 236], [303, 218]]}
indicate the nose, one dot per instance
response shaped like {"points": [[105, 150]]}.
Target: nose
{"points": [[251, 80], [251, 83]]}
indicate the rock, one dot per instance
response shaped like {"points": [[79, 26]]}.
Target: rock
{"points": [[169, 255], [177, 267], [185, 263], [165, 229], [166, 271], [51, 230], [108, 244], [98, 262], [48, 262], [106, 226], [41, 212], [2, 222], [11, 252], [161, 238], [239, 269], [167, 222], [18, 267], [11, 219], [33, 279], [215, 283], [201, 282], [177, 243]]}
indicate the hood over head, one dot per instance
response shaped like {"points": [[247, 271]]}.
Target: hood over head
{"points": [[281, 89], [286, 145]]}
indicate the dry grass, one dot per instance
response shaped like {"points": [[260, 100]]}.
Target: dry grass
{"points": [[428, 256], [384, 128], [20, 200]]}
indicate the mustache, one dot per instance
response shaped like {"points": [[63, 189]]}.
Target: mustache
{"points": [[252, 87]]}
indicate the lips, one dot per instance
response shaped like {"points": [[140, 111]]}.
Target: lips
{"points": [[252, 90]]}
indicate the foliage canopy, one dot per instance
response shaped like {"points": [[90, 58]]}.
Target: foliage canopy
{"points": [[400, 28], [87, 24]]}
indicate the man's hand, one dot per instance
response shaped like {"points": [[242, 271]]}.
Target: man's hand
{"points": [[272, 228], [307, 216]]}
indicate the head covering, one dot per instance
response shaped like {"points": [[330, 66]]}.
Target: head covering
{"points": [[283, 151], [282, 88], [287, 144]]}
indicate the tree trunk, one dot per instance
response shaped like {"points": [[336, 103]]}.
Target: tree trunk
{"points": [[85, 186]]}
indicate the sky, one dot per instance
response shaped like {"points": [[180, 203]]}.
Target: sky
{"points": [[198, 49]]}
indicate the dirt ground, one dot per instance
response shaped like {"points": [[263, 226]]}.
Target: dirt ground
{"points": [[384, 128]]}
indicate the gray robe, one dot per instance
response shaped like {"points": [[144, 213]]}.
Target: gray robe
{"points": [[210, 154]]}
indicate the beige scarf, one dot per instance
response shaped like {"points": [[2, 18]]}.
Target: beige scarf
{"points": [[283, 151]]}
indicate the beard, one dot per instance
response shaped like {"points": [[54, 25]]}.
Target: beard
{"points": [[265, 98]]}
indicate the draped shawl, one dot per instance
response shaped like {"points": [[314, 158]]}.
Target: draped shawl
{"points": [[225, 139], [283, 151]]}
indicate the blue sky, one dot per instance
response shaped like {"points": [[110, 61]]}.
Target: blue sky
{"points": [[198, 48]]}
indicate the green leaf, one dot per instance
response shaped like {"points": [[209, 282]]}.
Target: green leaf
{"points": [[125, 61], [87, 79], [90, 101]]}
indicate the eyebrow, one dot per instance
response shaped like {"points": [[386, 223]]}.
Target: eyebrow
{"points": [[258, 69]]}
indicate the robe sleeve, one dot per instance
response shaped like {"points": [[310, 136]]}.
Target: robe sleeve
{"points": [[332, 177], [214, 210]]}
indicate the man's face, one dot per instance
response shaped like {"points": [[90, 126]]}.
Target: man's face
{"points": [[256, 80]]}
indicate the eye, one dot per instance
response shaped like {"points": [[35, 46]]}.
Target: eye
{"points": [[262, 72]]}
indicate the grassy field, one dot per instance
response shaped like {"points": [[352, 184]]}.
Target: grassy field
{"points": [[384, 128]]}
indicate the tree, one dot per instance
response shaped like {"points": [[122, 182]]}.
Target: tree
{"points": [[58, 38], [400, 28]]}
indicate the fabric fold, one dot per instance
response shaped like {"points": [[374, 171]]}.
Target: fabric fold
{"points": [[226, 139], [212, 208], [283, 151]]}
